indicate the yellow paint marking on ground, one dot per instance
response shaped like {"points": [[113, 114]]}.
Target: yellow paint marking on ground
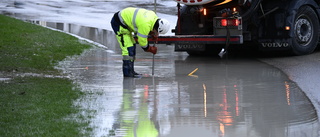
{"points": [[195, 76], [193, 72]]}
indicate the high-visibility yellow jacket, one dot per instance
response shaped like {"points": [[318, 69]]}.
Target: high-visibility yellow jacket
{"points": [[139, 21]]}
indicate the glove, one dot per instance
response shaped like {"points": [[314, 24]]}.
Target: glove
{"points": [[154, 35], [151, 49]]}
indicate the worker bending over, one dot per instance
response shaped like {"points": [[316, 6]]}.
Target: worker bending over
{"points": [[142, 23]]}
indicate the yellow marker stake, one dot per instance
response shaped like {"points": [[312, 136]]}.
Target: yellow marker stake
{"points": [[193, 72]]}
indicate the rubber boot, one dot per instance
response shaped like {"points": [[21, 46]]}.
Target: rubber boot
{"points": [[134, 72], [128, 69], [135, 75]]}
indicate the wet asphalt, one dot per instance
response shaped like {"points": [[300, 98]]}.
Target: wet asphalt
{"points": [[187, 96]]}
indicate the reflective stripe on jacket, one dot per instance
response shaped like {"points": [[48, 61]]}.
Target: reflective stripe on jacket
{"points": [[140, 21]]}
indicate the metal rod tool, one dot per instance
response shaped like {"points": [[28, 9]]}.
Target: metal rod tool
{"points": [[154, 44]]}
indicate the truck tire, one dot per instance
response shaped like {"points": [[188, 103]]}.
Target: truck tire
{"points": [[306, 31]]}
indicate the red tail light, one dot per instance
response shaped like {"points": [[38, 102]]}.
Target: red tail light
{"points": [[224, 22], [230, 22]]}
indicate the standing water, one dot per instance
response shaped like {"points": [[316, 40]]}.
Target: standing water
{"points": [[226, 98]]}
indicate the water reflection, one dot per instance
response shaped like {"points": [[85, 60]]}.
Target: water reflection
{"points": [[230, 100], [135, 119], [101, 36], [237, 97]]}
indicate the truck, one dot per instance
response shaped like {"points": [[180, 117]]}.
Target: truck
{"points": [[209, 26]]}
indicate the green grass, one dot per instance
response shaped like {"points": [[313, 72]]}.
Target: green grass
{"points": [[26, 47], [37, 106], [30, 109]]}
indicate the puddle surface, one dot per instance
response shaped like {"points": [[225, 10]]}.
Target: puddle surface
{"points": [[225, 98]]}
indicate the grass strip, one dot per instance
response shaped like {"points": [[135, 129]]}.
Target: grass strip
{"points": [[26, 47], [37, 106]]}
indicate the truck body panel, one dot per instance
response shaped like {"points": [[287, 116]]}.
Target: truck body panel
{"points": [[269, 24], [194, 2]]}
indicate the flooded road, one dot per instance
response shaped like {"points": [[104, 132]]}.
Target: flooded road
{"points": [[237, 97], [188, 96]]}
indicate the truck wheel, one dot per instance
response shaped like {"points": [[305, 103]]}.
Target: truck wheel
{"points": [[306, 34]]}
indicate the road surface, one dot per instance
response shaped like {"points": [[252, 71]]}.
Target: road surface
{"points": [[238, 96]]}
